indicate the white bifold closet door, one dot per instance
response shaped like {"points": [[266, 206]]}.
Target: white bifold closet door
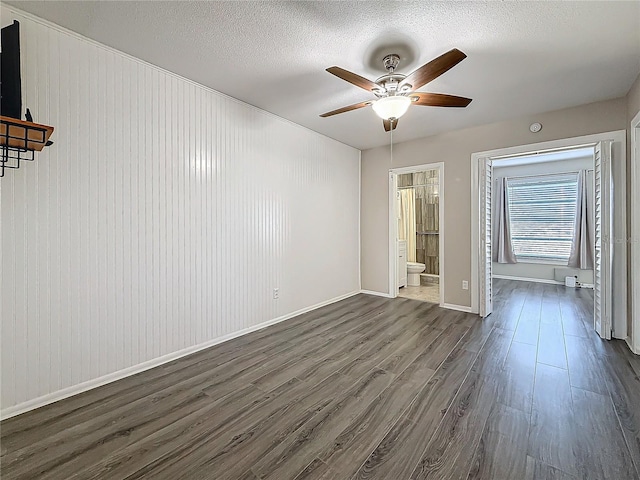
{"points": [[486, 288], [603, 257]]}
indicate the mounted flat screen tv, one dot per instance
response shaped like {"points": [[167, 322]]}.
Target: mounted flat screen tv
{"points": [[10, 81]]}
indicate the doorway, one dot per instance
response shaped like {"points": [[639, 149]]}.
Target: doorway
{"points": [[416, 240], [609, 232], [541, 206]]}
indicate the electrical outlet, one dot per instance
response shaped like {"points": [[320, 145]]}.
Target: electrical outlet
{"points": [[276, 293], [465, 285]]}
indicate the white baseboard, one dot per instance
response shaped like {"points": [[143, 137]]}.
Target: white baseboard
{"points": [[141, 367], [540, 280], [460, 308], [526, 279], [630, 345], [378, 294]]}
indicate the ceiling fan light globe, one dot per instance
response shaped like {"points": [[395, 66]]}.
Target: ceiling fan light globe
{"points": [[391, 107]]}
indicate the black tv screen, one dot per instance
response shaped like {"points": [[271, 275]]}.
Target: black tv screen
{"points": [[10, 81]]}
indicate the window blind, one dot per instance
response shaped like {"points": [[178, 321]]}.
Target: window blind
{"points": [[542, 213]]}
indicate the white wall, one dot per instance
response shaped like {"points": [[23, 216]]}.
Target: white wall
{"points": [[161, 219], [541, 271]]}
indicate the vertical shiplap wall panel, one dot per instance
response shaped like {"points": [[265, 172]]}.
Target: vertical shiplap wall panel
{"points": [[162, 218]]}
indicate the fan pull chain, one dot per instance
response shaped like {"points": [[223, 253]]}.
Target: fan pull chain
{"points": [[391, 143]]}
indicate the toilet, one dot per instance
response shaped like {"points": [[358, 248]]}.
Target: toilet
{"points": [[413, 273]]}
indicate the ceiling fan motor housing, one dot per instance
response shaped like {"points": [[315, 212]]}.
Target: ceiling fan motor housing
{"points": [[391, 62], [390, 83]]}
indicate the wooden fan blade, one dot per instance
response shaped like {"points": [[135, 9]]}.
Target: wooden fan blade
{"points": [[438, 100], [353, 78], [389, 125], [434, 69], [355, 106]]}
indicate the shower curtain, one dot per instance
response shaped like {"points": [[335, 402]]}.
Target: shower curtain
{"points": [[408, 221]]}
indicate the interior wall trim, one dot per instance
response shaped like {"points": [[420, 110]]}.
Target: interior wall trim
{"points": [[460, 308], [635, 233], [360, 220], [155, 362], [377, 294], [528, 279]]}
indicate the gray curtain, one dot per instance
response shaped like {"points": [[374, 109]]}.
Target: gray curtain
{"points": [[502, 249], [582, 247]]}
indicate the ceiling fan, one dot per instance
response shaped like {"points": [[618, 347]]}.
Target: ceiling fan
{"points": [[396, 92]]}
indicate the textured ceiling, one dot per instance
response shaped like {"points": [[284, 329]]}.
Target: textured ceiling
{"points": [[523, 57]]}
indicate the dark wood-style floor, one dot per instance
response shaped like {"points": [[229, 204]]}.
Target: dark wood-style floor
{"points": [[367, 388]]}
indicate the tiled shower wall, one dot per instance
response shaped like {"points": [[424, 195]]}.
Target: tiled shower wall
{"points": [[427, 216]]}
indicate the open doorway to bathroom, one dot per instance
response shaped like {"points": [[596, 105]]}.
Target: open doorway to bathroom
{"points": [[418, 213]]}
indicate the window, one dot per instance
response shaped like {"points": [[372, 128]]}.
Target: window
{"points": [[542, 212]]}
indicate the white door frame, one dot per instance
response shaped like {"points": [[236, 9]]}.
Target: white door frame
{"points": [[485, 210], [635, 233], [604, 233], [619, 172], [393, 224]]}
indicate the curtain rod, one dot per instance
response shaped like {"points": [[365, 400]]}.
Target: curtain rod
{"points": [[421, 185], [546, 174], [540, 152]]}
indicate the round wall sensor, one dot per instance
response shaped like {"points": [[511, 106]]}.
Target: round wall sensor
{"points": [[535, 127]]}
